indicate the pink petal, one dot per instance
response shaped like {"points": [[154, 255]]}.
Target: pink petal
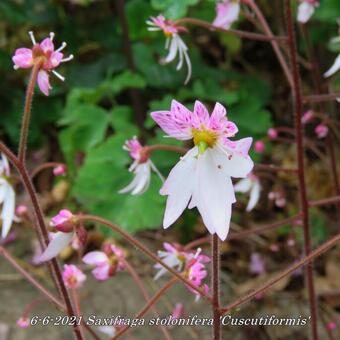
{"points": [[101, 273], [201, 112], [47, 45], [178, 122], [97, 258], [59, 242], [54, 60], [23, 58], [43, 82]]}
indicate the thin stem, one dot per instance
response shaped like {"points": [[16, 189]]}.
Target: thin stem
{"points": [[297, 104], [30, 278], [141, 247], [43, 167], [305, 260], [325, 201], [144, 292], [76, 302], [42, 232], [238, 33], [274, 43], [215, 282], [273, 168], [26, 117], [151, 302], [318, 98]]}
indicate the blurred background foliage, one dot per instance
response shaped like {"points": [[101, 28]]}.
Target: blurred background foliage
{"points": [[86, 119]]}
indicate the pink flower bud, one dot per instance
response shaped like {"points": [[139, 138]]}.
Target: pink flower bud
{"points": [[259, 146], [21, 210], [331, 326], [307, 116], [272, 133], [63, 221], [321, 130], [60, 170], [23, 322]]}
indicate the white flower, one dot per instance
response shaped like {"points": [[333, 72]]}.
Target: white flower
{"points": [[202, 178], [250, 184], [7, 197], [141, 167]]}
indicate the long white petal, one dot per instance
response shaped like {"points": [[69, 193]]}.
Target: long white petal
{"points": [[144, 175], [334, 68], [254, 196], [58, 243], [3, 184], [173, 49], [216, 195], [179, 187], [8, 210], [244, 185]]}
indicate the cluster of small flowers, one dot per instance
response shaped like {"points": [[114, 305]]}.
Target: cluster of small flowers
{"points": [[191, 265]]}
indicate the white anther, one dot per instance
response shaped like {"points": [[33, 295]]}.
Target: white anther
{"points": [[63, 45], [58, 75], [67, 59], [15, 67], [197, 252], [31, 34], [52, 35]]}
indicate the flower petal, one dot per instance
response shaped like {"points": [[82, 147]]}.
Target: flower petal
{"points": [[101, 273], [23, 58], [43, 82], [244, 185], [201, 112], [334, 68], [8, 210], [254, 196], [58, 243], [47, 45], [305, 11], [216, 195], [95, 258], [179, 186]]}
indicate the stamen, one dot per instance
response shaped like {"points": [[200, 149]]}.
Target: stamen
{"points": [[30, 33], [58, 75], [197, 252], [52, 36], [63, 45], [15, 67], [67, 59]]}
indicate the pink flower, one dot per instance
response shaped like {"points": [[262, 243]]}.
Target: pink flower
{"points": [[257, 265], [64, 222], [202, 177], [272, 133], [73, 277], [60, 170], [195, 271], [174, 42], [331, 326], [106, 263], [307, 116], [23, 322], [259, 146], [227, 12], [321, 130], [278, 198], [141, 168], [274, 247], [44, 54], [306, 9], [172, 256]]}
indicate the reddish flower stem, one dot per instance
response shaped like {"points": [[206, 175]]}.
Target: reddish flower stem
{"points": [[297, 104], [152, 301], [143, 248], [76, 303], [238, 33], [318, 98], [305, 260], [43, 167], [215, 283], [273, 168], [252, 4], [144, 292], [42, 232], [325, 201], [26, 117]]}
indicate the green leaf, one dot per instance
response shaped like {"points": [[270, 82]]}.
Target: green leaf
{"points": [[173, 9]]}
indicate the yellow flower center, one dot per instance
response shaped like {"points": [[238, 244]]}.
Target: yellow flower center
{"points": [[168, 34], [204, 139]]}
